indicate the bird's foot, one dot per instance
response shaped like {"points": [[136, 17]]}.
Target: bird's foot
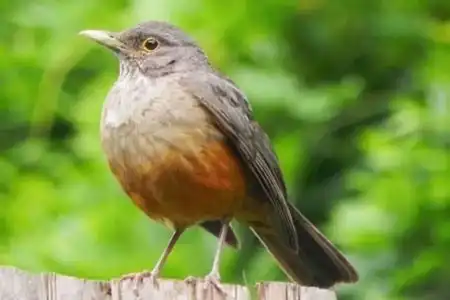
{"points": [[190, 279], [138, 278], [213, 280]]}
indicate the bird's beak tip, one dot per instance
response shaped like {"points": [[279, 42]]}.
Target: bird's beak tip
{"points": [[92, 33]]}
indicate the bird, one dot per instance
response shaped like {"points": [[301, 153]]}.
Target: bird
{"points": [[183, 143]]}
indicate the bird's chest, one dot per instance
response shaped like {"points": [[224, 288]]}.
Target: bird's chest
{"points": [[143, 119], [162, 146], [147, 106]]}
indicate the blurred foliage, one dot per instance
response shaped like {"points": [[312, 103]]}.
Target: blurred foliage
{"points": [[354, 95]]}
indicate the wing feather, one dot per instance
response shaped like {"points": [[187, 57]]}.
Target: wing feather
{"points": [[233, 116]]}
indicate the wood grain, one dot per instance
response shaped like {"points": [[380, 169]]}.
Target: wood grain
{"points": [[16, 284]]}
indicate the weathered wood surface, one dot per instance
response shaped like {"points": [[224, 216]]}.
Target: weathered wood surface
{"points": [[20, 285]]}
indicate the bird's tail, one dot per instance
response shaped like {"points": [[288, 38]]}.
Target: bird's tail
{"points": [[317, 261]]}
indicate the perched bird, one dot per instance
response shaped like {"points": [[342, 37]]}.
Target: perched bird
{"points": [[182, 141]]}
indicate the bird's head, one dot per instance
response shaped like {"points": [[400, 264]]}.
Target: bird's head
{"points": [[152, 48]]}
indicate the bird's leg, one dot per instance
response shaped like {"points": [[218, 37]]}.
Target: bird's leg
{"points": [[162, 260], [214, 276], [154, 274]]}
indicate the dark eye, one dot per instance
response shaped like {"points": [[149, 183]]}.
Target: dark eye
{"points": [[150, 44]]}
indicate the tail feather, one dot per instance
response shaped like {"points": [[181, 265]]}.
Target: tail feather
{"points": [[316, 263]]}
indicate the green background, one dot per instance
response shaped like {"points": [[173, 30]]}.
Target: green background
{"points": [[354, 94]]}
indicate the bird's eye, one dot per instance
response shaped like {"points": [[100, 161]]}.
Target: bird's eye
{"points": [[150, 44]]}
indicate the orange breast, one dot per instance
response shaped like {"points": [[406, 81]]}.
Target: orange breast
{"points": [[181, 188]]}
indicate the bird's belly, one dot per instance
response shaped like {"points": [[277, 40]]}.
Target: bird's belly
{"points": [[181, 181]]}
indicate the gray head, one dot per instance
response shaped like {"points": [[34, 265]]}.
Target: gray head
{"points": [[154, 48]]}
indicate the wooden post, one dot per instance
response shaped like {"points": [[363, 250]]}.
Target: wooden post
{"points": [[20, 285]]}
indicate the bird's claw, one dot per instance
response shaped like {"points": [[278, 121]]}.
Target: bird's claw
{"points": [[138, 278], [190, 279], [213, 280]]}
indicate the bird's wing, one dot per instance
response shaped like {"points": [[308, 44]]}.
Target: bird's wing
{"points": [[233, 116]]}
